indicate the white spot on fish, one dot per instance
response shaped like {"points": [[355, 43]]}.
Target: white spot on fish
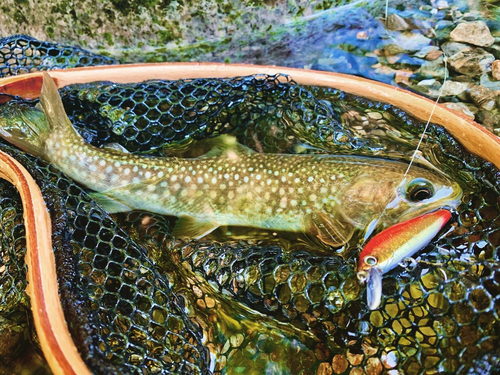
{"points": [[151, 187], [160, 174], [310, 179], [102, 162], [283, 202]]}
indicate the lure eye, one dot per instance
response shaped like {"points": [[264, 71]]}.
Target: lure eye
{"points": [[419, 190], [371, 260]]}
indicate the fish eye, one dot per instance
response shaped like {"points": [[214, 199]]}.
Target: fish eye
{"points": [[371, 260], [419, 190]]}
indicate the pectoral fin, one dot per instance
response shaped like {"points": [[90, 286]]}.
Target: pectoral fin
{"points": [[331, 229], [188, 226], [108, 204]]}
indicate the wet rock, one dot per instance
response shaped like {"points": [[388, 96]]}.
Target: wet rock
{"points": [[403, 76], [467, 109], [391, 50], [411, 42], [489, 120], [362, 35], [476, 33], [487, 81], [452, 88], [429, 53], [495, 70], [433, 55], [396, 23], [428, 87], [471, 61], [434, 68], [442, 4], [482, 97]]}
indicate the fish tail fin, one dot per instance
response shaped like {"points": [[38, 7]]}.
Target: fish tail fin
{"points": [[23, 126], [28, 128]]}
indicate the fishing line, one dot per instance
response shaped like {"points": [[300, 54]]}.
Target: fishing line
{"points": [[445, 60]]}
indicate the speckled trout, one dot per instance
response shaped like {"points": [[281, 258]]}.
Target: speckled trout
{"points": [[326, 196]]}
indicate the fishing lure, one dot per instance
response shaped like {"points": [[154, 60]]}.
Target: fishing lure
{"points": [[388, 248]]}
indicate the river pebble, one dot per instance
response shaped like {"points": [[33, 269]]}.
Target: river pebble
{"points": [[476, 33], [464, 59]]}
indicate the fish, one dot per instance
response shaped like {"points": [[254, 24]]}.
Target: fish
{"points": [[388, 248], [324, 196]]}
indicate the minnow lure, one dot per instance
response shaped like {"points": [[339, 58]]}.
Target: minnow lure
{"points": [[388, 248], [327, 196]]}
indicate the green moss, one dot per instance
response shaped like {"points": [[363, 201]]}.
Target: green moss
{"points": [[165, 36], [128, 6], [50, 31], [109, 38]]}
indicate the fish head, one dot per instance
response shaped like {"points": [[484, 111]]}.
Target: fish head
{"points": [[420, 192], [386, 196]]}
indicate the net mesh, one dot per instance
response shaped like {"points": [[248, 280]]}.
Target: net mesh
{"points": [[23, 54], [140, 301]]}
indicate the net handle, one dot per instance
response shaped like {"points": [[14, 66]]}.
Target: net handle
{"points": [[55, 339]]}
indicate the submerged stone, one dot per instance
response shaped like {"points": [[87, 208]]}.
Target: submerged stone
{"points": [[471, 61]]}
